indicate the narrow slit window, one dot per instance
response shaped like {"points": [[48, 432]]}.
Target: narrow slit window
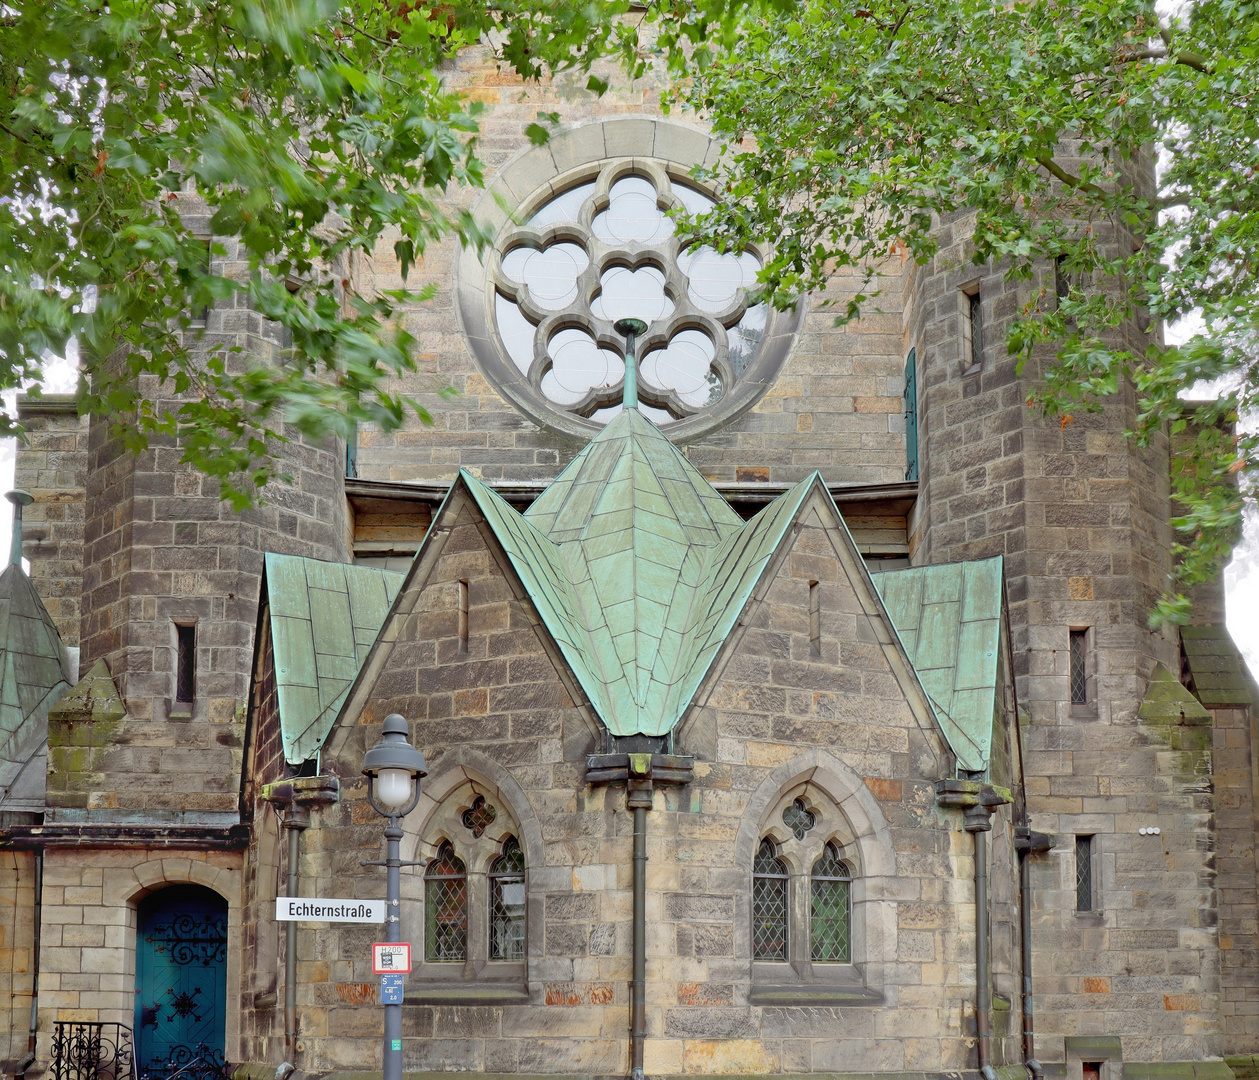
{"points": [[1083, 873], [202, 315], [1062, 284], [463, 618], [975, 318], [185, 663], [815, 620], [911, 415], [1079, 667]]}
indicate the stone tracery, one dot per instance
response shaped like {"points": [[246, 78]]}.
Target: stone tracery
{"points": [[604, 250]]}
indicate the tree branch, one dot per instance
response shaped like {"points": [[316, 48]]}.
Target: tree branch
{"points": [[1189, 59], [1058, 172]]}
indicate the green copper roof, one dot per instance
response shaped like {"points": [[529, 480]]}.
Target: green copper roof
{"points": [[639, 569], [33, 676], [949, 620], [1216, 667], [324, 618]]}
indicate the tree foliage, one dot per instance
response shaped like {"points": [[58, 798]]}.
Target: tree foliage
{"points": [[853, 126], [307, 129]]}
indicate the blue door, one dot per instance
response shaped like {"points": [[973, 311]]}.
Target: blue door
{"points": [[181, 983]]}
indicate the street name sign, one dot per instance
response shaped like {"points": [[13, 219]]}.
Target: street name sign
{"points": [[316, 909], [391, 956]]}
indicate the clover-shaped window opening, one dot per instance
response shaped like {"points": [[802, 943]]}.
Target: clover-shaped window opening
{"points": [[479, 816], [799, 818], [605, 249]]}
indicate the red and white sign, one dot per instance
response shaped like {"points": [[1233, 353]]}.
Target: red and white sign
{"points": [[391, 956]]}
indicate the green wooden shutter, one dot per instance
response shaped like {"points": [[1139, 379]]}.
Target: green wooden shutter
{"points": [[911, 416]]}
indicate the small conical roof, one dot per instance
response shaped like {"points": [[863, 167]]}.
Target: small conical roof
{"points": [[33, 676]]}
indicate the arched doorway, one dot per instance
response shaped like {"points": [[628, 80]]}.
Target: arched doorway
{"points": [[181, 982]]}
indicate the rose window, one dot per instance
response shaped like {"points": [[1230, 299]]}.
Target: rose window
{"points": [[600, 248]]}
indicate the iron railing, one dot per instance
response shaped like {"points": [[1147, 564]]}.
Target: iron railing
{"points": [[188, 1063], [92, 1050]]}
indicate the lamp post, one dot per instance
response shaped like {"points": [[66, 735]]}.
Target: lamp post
{"points": [[393, 768]]}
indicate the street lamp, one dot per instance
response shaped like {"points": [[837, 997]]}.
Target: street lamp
{"points": [[393, 768]]}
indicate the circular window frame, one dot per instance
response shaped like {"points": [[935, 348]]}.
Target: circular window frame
{"points": [[633, 146]]}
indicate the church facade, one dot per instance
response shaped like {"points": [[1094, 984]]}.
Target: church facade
{"points": [[851, 642]]}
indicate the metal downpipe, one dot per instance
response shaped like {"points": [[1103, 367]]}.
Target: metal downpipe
{"points": [[638, 1013], [32, 1033], [295, 824], [983, 959], [1025, 934]]}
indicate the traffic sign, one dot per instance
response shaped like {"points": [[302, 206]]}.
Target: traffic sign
{"points": [[316, 909], [391, 956]]}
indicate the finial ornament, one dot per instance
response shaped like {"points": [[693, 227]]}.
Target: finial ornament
{"points": [[630, 329], [19, 499]]}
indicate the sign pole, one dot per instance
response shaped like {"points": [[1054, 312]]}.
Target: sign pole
{"points": [[393, 933]]}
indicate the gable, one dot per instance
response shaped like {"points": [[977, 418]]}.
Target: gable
{"points": [[837, 687], [503, 684]]}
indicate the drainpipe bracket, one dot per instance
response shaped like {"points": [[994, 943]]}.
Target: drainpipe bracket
{"points": [[1032, 842], [975, 799], [304, 791], [656, 768]]}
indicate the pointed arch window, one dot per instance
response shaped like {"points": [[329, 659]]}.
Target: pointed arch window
{"points": [[830, 916], [769, 904], [446, 907], [507, 903]]}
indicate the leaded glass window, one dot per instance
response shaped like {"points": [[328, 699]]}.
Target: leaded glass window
{"points": [[1083, 873], [1079, 669], [769, 904], [446, 907], [830, 920], [507, 903]]}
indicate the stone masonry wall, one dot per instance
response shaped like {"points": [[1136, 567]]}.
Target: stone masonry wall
{"points": [[17, 907], [1080, 515], [52, 466], [87, 951], [1236, 822], [839, 732], [162, 548]]}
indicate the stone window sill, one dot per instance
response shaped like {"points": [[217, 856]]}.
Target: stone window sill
{"points": [[814, 994], [474, 993]]}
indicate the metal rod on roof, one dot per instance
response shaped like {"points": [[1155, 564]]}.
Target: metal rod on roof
{"points": [[19, 499], [630, 329]]}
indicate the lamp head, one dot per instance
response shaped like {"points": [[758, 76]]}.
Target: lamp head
{"points": [[392, 765]]}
